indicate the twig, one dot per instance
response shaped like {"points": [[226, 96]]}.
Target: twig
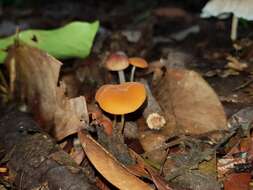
{"points": [[153, 113], [243, 85]]}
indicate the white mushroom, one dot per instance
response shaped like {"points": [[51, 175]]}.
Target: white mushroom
{"points": [[239, 9]]}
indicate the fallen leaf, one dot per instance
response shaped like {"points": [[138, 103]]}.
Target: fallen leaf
{"points": [[160, 183], [70, 114], [58, 42], [191, 105], [36, 80], [140, 168], [228, 72], [238, 181], [234, 63], [109, 167]]}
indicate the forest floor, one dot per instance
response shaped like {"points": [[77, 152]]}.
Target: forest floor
{"points": [[200, 81]]}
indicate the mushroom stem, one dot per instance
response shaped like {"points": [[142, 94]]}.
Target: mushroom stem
{"points": [[114, 121], [122, 124], [121, 77], [234, 28], [132, 74]]}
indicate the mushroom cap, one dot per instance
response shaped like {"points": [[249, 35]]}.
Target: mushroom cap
{"points": [[240, 8], [117, 61], [119, 99], [138, 62]]}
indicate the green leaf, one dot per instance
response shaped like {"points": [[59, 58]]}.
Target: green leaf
{"points": [[72, 40]]}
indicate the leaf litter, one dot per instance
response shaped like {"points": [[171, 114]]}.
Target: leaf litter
{"points": [[187, 112], [202, 145]]}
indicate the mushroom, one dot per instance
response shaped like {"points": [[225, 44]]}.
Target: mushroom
{"points": [[239, 9], [137, 62], [120, 99], [117, 62]]}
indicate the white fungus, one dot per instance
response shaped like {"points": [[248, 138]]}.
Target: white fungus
{"points": [[239, 9]]}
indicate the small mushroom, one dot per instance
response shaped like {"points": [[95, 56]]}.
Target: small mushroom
{"points": [[120, 99], [117, 62], [137, 62], [239, 9]]}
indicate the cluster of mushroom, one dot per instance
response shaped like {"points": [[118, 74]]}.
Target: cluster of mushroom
{"points": [[126, 97], [119, 62]]}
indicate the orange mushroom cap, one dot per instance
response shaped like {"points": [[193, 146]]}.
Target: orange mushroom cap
{"points": [[119, 99], [117, 61], [138, 62]]}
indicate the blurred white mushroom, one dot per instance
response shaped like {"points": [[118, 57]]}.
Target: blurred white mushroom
{"points": [[239, 9]]}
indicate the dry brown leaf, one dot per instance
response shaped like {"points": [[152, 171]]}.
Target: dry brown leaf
{"points": [[36, 80], [234, 63], [237, 181], [160, 183], [70, 114], [191, 105], [143, 169], [109, 167], [140, 168]]}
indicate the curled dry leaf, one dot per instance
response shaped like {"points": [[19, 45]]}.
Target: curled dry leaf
{"points": [[70, 114], [36, 82], [109, 167]]}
